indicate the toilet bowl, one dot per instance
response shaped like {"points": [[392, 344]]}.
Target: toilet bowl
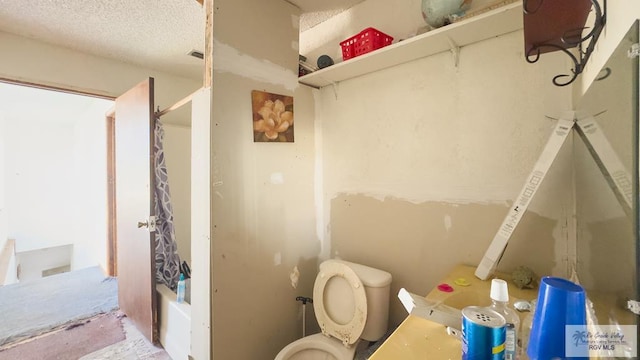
{"points": [[316, 347], [351, 302]]}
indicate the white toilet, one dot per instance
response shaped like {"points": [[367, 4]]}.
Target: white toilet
{"points": [[351, 302]]}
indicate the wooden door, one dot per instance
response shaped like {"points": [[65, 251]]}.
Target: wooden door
{"points": [[134, 204]]}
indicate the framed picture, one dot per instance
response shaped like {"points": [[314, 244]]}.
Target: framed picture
{"points": [[272, 117]]}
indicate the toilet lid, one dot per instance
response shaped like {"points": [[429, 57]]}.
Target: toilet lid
{"points": [[340, 302]]}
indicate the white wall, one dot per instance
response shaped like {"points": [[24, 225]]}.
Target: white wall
{"points": [[90, 186], [8, 266], [3, 201], [177, 152], [40, 183]]}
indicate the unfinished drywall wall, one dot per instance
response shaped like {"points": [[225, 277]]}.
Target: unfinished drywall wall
{"points": [[419, 243], [177, 154], [421, 162], [262, 196]]}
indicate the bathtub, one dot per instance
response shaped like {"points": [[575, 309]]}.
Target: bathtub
{"points": [[174, 321]]}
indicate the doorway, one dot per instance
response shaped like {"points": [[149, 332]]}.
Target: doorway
{"points": [[52, 201], [54, 179], [200, 343]]}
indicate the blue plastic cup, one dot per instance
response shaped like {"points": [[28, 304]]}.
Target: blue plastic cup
{"points": [[560, 303]]}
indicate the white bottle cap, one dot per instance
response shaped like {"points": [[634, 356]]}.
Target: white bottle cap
{"points": [[499, 290]]}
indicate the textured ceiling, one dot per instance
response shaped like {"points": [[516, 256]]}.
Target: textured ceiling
{"points": [[152, 33]]}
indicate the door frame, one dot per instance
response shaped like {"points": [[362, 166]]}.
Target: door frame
{"points": [[112, 239]]}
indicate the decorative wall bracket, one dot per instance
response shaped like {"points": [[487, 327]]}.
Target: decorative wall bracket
{"points": [[558, 26]]}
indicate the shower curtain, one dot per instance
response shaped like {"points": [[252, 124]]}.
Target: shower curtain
{"points": [[167, 259]]}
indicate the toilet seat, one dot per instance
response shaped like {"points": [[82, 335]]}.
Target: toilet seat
{"points": [[334, 273]]}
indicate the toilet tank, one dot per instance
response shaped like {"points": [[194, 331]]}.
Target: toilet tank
{"points": [[377, 284]]}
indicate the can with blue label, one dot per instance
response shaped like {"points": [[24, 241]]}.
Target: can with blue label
{"points": [[483, 334]]}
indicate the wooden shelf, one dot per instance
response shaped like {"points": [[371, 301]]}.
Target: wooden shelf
{"points": [[484, 26]]}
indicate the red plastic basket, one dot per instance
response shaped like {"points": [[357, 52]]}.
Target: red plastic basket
{"points": [[365, 41]]}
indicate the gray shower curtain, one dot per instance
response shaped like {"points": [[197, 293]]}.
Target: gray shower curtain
{"points": [[167, 258]]}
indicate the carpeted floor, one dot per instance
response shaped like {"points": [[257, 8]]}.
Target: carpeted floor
{"points": [[70, 343], [69, 316], [35, 307]]}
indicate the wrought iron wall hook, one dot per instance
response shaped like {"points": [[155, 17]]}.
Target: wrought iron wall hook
{"points": [[599, 22], [572, 38], [577, 69], [556, 79]]}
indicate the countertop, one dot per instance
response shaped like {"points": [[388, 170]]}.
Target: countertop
{"points": [[418, 339]]}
